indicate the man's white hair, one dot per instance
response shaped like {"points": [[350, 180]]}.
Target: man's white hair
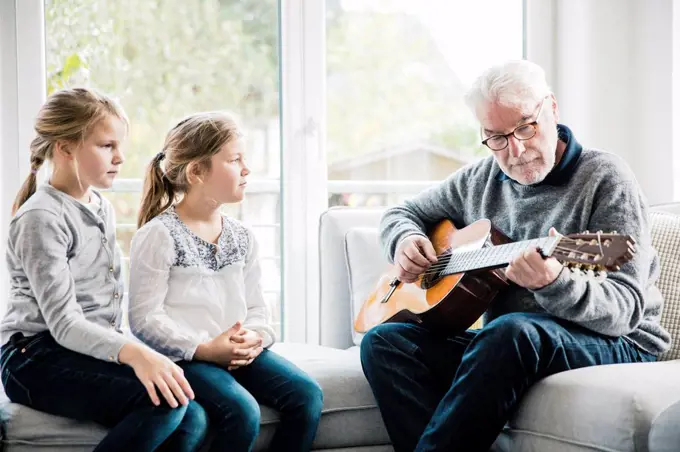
{"points": [[516, 83]]}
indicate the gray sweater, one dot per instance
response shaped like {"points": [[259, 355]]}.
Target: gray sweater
{"points": [[588, 190], [65, 273]]}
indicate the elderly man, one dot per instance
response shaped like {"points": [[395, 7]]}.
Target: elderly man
{"points": [[456, 394]]}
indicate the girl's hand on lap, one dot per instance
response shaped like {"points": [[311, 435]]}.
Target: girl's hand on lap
{"points": [[221, 350], [157, 371]]}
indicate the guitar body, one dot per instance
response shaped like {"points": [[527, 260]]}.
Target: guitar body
{"points": [[445, 305]]}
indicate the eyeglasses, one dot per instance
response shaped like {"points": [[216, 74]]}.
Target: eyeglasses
{"points": [[523, 132]]}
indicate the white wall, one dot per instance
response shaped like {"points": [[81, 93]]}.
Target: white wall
{"points": [[610, 64], [9, 131], [22, 92]]}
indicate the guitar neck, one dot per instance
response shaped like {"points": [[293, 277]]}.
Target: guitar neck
{"points": [[491, 257]]}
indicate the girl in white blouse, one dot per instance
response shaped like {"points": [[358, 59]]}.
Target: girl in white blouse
{"points": [[195, 292]]}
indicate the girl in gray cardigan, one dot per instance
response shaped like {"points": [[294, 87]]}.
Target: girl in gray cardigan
{"points": [[62, 348]]}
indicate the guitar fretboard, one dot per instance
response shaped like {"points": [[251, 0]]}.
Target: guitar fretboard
{"points": [[496, 256]]}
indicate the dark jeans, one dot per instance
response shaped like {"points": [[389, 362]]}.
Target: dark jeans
{"points": [[231, 401], [41, 374], [456, 394]]}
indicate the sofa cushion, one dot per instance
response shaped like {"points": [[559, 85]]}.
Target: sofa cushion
{"points": [[350, 417], [582, 410], [365, 264], [666, 241]]}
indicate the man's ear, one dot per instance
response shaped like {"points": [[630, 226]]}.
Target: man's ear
{"points": [[555, 108]]}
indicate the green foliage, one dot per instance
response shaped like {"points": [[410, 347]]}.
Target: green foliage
{"points": [[73, 64], [387, 82], [164, 59]]}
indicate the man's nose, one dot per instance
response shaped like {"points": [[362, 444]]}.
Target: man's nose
{"points": [[515, 146]]}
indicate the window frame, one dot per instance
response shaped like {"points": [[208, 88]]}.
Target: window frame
{"points": [[303, 184]]}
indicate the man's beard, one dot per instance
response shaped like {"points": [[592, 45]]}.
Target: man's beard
{"points": [[539, 169]]}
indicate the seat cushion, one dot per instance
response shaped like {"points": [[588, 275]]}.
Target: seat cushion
{"points": [[610, 408], [350, 417]]}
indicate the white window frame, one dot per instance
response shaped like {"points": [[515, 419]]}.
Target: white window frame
{"points": [[302, 73], [303, 163], [304, 186]]}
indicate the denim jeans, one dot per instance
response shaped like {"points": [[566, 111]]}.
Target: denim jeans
{"points": [[456, 394], [231, 401], [41, 374]]}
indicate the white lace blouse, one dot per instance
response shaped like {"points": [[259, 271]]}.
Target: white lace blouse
{"points": [[185, 291]]}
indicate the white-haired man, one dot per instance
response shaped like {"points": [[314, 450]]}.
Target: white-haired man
{"points": [[456, 394]]}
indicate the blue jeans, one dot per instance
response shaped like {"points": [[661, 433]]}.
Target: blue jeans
{"points": [[41, 374], [456, 394], [231, 401]]}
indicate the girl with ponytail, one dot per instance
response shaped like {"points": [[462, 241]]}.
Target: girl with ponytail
{"points": [[63, 351], [195, 290]]}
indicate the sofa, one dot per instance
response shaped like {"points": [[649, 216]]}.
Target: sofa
{"points": [[629, 407]]}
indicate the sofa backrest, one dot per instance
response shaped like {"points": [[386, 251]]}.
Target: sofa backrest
{"points": [[350, 231], [665, 223], [335, 310]]}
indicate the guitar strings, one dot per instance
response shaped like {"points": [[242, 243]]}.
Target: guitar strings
{"points": [[445, 258]]}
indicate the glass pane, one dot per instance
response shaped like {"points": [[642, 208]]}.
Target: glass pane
{"points": [[396, 74], [164, 59], [367, 199]]}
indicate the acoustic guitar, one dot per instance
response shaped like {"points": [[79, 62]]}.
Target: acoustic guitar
{"points": [[454, 292]]}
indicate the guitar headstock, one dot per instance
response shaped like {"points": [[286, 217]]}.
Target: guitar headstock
{"points": [[592, 254]]}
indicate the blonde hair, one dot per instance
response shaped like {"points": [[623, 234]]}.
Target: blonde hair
{"points": [[67, 115], [195, 139]]}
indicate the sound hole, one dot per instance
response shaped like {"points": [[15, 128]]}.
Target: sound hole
{"points": [[435, 273], [430, 279]]}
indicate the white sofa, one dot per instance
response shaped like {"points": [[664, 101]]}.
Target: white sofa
{"points": [[629, 407], [609, 408]]}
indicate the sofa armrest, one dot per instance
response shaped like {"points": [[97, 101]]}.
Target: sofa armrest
{"points": [[664, 434]]}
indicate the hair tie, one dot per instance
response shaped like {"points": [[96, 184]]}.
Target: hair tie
{"points": [[34, 171], [160, 156]]}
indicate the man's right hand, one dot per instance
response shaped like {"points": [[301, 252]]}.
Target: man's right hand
{"points": [[413, 257]]}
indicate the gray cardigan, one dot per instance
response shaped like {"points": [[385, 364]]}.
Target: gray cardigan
{"points": [[65, 274]]}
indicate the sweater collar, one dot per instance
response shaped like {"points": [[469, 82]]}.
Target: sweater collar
{"points": [[562, 172]]}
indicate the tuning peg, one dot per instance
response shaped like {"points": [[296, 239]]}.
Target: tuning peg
{"points": [[576, 274]]}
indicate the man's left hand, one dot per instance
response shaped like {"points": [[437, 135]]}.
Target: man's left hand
{"points": [[532, 271]]}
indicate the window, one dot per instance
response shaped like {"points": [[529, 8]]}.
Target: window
{"points": [[346, 102], [396, 74], [164, 59]]}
